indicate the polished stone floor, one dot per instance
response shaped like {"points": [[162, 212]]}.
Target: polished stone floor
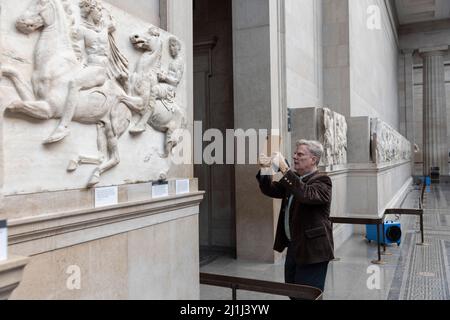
{"points": [[410, 272]]}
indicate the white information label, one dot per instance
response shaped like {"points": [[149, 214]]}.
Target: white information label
{"points": [[3, 241], [182, 186], [160, 190], [105, 197]]}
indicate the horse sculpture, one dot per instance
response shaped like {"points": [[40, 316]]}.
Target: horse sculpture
{"points": [[56, 63], [159, 109]]}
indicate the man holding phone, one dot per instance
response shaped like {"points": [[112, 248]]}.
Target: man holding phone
{"points": [[304, 227]]}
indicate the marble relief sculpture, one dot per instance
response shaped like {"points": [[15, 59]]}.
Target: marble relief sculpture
{"points": [[94, 33], [341, 139], [329, 137], [334, 128], [387, 144], [157, 88], [80, 75]]}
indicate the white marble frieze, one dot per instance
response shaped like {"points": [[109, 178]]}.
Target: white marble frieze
{"points": [[334, 137], [387, 145], [90, 96]]}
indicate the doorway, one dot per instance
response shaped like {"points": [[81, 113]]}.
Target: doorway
{"points": [[214, 108]]}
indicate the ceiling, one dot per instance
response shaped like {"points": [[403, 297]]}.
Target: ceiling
{"points": [[413, 11]]}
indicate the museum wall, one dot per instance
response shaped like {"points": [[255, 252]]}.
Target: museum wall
{"points": [[303, 53], [373, 64], [147, 10]]}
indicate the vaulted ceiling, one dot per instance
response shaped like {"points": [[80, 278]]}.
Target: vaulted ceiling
{"points": [[413, 11]]}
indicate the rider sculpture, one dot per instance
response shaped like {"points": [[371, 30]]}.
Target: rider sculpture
{"points": [[165, 90], [157, 89], [95, 34]]}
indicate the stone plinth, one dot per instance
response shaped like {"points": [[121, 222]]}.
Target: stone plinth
{"points": [[11, 272], [136, 250]]}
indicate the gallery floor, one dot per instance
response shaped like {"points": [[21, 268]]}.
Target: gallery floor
{"points": [[411, 272]]}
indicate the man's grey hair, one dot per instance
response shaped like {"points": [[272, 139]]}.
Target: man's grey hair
{"points": [[315, 147]]}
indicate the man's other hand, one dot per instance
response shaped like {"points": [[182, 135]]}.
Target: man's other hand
{"points": [[280, 161]]}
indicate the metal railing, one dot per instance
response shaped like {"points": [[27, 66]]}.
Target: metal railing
{"points": [[275, 288], [422, 195], [306, 292], [380, 222], [364, 220]]}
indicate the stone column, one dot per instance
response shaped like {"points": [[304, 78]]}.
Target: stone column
{"points": [[336, 56], [406, 100], [256, 106], [1, 127], [406, 89], [435, 113]]}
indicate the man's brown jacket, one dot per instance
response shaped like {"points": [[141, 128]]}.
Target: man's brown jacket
{"points": [[310, 226]]}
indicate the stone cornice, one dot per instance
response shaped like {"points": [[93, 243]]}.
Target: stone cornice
{"points": [[50, 225], [366, 168], [393, 19], [428, 26]]}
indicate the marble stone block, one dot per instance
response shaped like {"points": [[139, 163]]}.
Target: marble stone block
{"points": [[324, 125], [388, 145], [359, 140]]}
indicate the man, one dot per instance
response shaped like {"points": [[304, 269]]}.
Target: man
{"points": [[304, 227]]}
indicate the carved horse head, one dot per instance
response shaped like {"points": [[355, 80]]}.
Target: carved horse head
{"points": [[55, 20], [40, 13], [150, 41]]}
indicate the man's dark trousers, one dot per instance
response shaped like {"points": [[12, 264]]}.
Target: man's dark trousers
{"points": [[312, 275]]}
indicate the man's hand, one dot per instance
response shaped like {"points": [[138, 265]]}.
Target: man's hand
{"points": [[264, 161], [279, 160]]}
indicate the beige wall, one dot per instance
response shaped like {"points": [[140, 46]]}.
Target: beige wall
{"points": [[303, 53], [373, 65], [336, 56], [147, 10]]}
